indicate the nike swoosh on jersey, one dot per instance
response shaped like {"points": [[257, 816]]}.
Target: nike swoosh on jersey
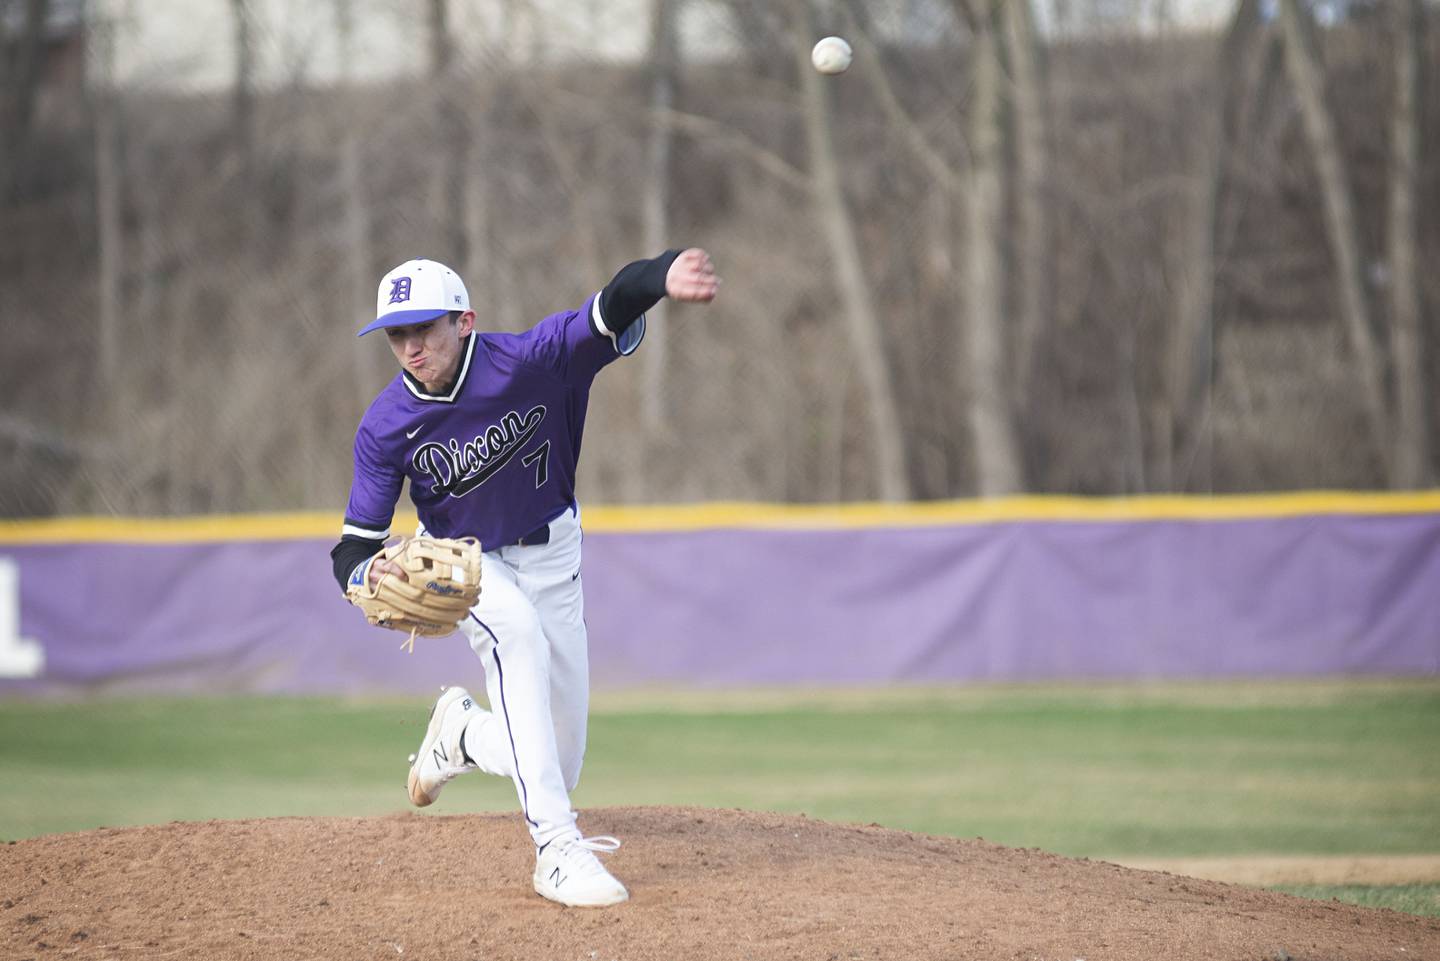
{"points": [[411, 433]]}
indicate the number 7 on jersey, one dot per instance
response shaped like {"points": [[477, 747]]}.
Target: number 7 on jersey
{"points": [[540, 457]]}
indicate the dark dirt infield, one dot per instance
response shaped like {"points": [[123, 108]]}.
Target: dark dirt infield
{"points": [[705, 884]]}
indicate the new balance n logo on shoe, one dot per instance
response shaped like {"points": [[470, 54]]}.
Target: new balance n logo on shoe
{"points": [[441, 756], [556, 878]]}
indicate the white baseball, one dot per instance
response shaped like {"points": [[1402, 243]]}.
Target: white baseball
{"points": [[831, 55]]}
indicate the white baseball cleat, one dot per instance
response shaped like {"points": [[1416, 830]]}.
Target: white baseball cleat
{"points": [[441, 756], [568, 871]]}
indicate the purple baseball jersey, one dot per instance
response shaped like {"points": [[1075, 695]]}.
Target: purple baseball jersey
{"points": [[495, 457]]}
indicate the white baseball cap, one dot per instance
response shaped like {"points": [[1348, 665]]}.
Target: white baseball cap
{"points": [[417, 291]]}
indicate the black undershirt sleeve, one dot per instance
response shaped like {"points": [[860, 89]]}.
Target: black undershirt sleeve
{"points": [[349, 552], [636, 288]]}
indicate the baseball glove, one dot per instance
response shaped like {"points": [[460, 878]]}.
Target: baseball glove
{"points": [[442, 583]]}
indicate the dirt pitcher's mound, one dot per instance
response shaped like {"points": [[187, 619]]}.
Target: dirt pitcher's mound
{"points": [[704, 884]]}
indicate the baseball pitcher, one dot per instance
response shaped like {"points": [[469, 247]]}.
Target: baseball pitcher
{"points": [[487, 428]]}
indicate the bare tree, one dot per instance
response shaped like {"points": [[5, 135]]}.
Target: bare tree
{"points": [[1302, 61], [369, 363], [1197, 341], [453, 124], [655, 226], [1184, 436], [932, 404], [20, 63], [1411, 451], [109, 238], [937, 166], [992, 423], [1030, 111], [243, 88], [886, 438]]}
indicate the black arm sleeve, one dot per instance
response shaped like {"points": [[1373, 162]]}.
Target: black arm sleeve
{"points": [[635, 289], [349, 552]]}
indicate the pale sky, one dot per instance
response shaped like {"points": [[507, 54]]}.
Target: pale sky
{"points": [[189, 43]]}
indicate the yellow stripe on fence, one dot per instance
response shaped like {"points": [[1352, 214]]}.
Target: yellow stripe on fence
{"points": [[753, 516]]}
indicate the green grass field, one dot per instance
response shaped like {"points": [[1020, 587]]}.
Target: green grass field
{"points": [[1410, 898], [1108, 771]]}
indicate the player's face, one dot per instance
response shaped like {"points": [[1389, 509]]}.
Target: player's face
{"points": [[431, 351]]}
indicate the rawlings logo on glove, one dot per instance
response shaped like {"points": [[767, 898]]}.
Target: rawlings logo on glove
{"points": [[440, 583]]}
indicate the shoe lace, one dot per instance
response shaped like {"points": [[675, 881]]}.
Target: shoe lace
{"points": [[579, 852]]}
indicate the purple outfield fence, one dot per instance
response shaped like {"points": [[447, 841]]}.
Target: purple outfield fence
{"points": [[788, 599]]}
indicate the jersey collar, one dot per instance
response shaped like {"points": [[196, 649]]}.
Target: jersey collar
{"points": [[446, 395]]}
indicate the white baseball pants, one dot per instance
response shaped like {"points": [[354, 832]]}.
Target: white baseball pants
{"points": [[528, 629]]}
